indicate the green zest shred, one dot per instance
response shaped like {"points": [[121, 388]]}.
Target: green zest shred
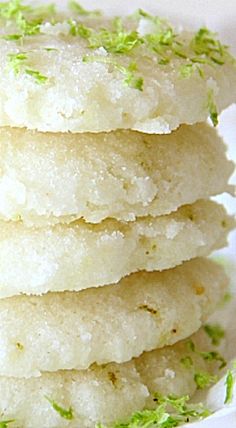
{"points": [[171, 411], [4, 424], [214, 356], [12, 37], [227, 298], [207, 47], [203, 379], [211, 105], [11, 9], [116, 40], [188, 69], [27, 19], [15, 61], [74, 6], [79, 29], [229, 382], [215, 332], [27, 28], [130, 78], [64, 413], [187, 362], [18, 62], [209, 356], [39, 78], [191, 345]]}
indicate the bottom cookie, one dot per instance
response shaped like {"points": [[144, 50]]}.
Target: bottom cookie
{"points": [[110, 393]]}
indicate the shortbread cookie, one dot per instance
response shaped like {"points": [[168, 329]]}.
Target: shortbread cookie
{"points": [[104, 394], [79, 256], [57, 178], [83, 74], [107, 324]]}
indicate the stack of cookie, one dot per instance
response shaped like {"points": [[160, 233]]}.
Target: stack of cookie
{"points": [[105, 221]]}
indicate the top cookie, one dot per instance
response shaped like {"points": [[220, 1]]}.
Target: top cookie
{"points": [[83, 72]]}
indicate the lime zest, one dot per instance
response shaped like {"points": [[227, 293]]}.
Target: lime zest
{"points": [[38, 77], [171, 411], [74, 6], [211, 105], [130, 78], [204, 379], [18, 62], [64, 413], [187, 362], [215, 332], [4, 424], [15, 61], [229, 382], [214, 356]]}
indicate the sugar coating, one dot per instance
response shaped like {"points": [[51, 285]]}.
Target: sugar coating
{"points": [[73, 330], [57, 178], [92, 97], [101, 394], [80, 255]]}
